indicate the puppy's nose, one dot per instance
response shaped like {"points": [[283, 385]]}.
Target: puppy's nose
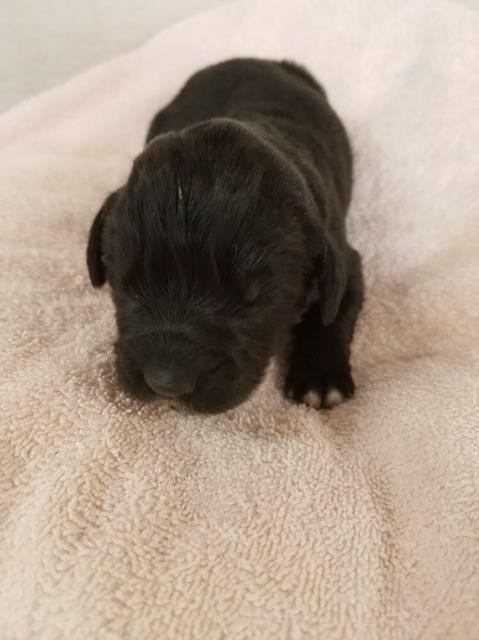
{"points": [[168, 383]]}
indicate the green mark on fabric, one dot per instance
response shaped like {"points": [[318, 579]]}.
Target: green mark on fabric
{"points": [[416, 71], [470, 4]]}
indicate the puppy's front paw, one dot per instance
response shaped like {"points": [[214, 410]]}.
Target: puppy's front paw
{"points": [[319, 385]]}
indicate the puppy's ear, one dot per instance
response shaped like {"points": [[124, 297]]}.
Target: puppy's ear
{"points": [[331, 272], [94, 258]]}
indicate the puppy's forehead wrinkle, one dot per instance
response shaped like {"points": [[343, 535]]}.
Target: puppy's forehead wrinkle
{"points": [[176, 207], [163, 333]]}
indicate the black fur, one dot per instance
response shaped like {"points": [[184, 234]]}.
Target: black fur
{"points": [[234, 211]]}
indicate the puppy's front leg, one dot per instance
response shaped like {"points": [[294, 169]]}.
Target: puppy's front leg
{"points": [[319, 370]]}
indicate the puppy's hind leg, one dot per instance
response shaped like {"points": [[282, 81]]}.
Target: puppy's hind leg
{"points": [[319, 371]]}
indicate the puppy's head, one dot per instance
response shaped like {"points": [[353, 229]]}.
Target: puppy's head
{"points": [[205, 252]]}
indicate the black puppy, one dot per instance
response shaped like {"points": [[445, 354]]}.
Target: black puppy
{"points": [[229, 237]]}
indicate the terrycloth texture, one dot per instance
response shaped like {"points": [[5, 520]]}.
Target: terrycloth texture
{"points": [[273, 521]]}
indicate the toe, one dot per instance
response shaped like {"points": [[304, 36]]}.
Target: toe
{"points": [[332, 397], [312, 399]]}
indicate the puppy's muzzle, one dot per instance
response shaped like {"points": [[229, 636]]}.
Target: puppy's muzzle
{"points": [[168, 382]]}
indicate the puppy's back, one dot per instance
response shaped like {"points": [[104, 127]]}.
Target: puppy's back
{"points": [[235, 87]]}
